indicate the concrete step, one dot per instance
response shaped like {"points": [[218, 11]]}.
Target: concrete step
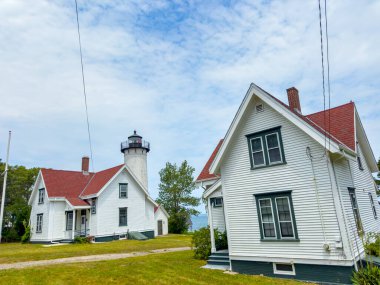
{"points": [[221, 253], [219, 257], [218, 262]]}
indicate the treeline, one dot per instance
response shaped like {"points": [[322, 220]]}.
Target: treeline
{"points": [[19, 185]]}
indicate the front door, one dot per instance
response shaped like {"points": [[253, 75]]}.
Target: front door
{"points": [[83, 223], [159, 225]]}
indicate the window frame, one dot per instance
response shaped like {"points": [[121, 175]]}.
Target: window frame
{"points": [[282, 272], [355, 210], [126, 191], [41, 195], [67, 220], [126, 216], [217, 205], [39, 224], [93, 206], [291, 217], [278, 235], [372, 205], [262, 223], [265, 149]]}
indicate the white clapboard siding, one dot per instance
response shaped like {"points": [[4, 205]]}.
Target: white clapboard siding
{"points": [[218, 221], [40, 209], [364, 184], [108, 204], [160, 215], [58, 220], [240, 183]]}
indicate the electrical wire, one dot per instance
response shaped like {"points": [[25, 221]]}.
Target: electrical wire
{"points": [[328, 71], [84, 86]]}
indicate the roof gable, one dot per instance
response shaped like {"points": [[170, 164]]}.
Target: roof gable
{"points": [[99, 180], [313, 129], [205, 173]]}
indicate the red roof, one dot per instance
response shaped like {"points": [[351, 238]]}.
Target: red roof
{"points": [[71, 184], [341, 129], [205, 174]]}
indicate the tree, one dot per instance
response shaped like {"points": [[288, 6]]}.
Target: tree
{"points": [[19, 183], [176, 187]]}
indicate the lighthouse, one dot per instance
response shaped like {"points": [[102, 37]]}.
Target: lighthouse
{"points": [[135, 151]]}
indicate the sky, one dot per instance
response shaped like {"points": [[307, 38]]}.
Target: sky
{"points": [[176, 71]]}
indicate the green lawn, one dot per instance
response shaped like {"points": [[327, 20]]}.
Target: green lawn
{"points": [[167, 268], [15, 252]]}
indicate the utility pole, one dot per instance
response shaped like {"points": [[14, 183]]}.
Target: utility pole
{"points": [[4, 186]]}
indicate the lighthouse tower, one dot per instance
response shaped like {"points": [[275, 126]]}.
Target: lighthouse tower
{"points": [[135, 151]]}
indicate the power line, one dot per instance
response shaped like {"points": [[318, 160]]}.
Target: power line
{"points": [[323, 68], [328, 69], [84, 86]]}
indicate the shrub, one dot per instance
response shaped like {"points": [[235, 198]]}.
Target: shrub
{"points": [[369, 275], [81, 240], [372, 244], [26, 236], [201, 242]]}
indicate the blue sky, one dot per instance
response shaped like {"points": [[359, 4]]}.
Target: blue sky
{"points": [[176, 71]]}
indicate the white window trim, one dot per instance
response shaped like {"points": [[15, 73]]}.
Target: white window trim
{"points": [[291, 217], [39, 223], [275, 271], [262, 223], [221, 202], [126, 190], [262, 150], [41, 196], [72, 220], [279, 147], [372, 205]]}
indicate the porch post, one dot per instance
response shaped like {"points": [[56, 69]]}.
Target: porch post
{"points": [[74, 223], [213, 248]]}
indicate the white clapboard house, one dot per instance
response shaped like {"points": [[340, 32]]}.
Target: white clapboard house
{"points": [[109, 204], [294, 192]]}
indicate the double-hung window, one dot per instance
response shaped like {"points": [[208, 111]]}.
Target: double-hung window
{"points": [[372, 205], [69, 221], [41, 196], [266, 148], [276, 216], [93, 206], [123, 221], [39, 223], [217, 202], [355, 209], [123, 190]]}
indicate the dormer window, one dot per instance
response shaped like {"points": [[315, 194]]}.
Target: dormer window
{"points": [[266, 148], [41, 195], [123, 190]]}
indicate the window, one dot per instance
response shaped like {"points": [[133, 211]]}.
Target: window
{"points": [[69, 221], [284, 268], [218, 202], [360, 163], [355, 209], [266, 148], [276, 216], [39, 223], [372, 205], [41, 195], [123, 217], [93, 206], [123, 190], [259, 108]]}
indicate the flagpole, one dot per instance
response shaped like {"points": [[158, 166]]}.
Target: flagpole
{"points": [[4, 186]]}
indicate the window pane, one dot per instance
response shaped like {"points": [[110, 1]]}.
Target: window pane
{"points": [[265, 203], [272, 141], [258, 158], [286, 229], [256, 144], [274, 155], [266, 214], [269, 230]]}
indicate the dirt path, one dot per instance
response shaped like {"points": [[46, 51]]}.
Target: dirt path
{"points": [[88, 258]]}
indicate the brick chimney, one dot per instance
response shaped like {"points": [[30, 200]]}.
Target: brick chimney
{"points": [[294, 99], [85, 164]]}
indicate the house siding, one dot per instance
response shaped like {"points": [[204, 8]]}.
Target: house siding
{"points": [[159, 215], [58, 220], [108, 204], [240, 183], [40, 209]]}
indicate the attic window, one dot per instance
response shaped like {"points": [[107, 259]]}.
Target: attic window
{"points": [[259, 108], [218, 202], [41, 195]]}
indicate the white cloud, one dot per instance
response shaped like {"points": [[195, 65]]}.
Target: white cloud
{"points": [[175, 71]]}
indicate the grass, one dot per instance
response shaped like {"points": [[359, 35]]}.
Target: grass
{"points": [[168, 268], [15, 252]]}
